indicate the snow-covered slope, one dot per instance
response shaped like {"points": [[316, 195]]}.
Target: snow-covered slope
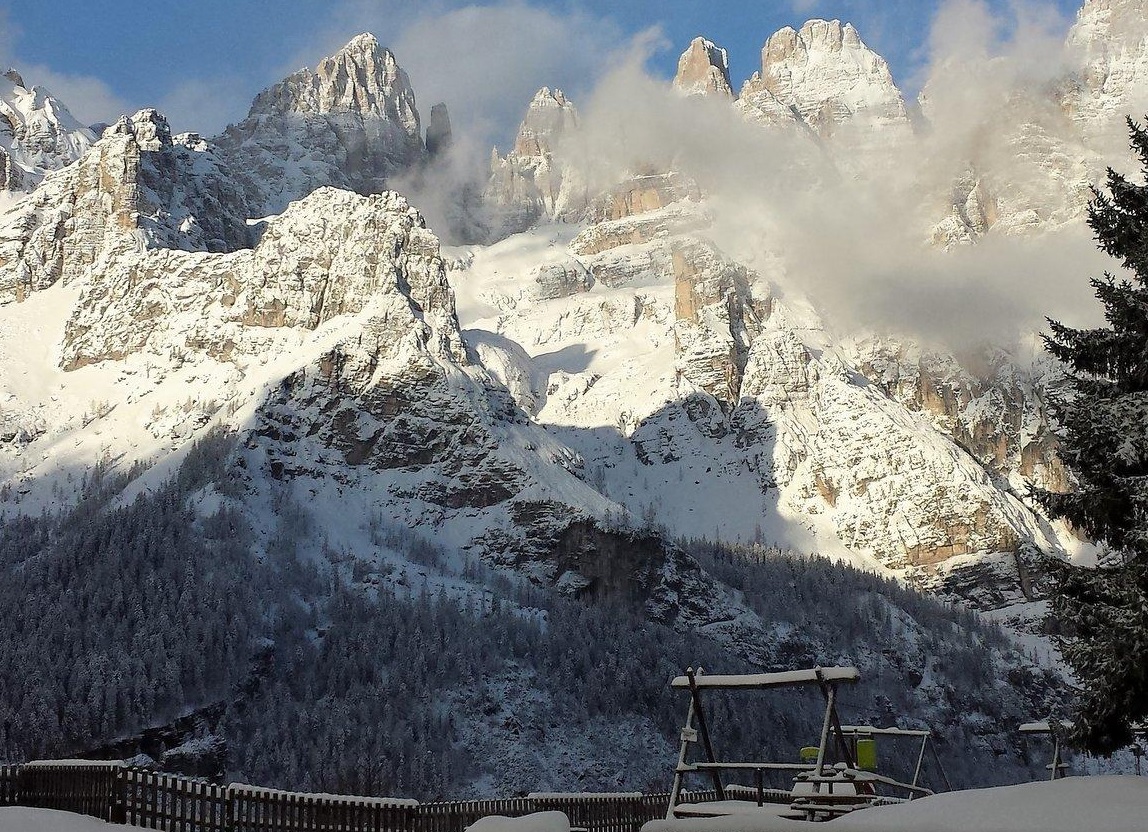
{"points": [[333, 349], [711, 403]]}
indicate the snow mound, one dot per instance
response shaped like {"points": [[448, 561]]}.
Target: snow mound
{"points": [[1095, 804], [538, 822]]}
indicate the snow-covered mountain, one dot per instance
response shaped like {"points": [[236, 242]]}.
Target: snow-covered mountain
{"points": [[613, 372], [833, 84], [37, 134], [351, 122], [617, 370]]}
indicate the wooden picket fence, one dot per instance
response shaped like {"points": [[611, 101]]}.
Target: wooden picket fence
{"points": [[150, 800], [8, 785]]}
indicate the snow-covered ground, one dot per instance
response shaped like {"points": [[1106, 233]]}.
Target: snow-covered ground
{"points": [[1075, 804], [21, 819]]}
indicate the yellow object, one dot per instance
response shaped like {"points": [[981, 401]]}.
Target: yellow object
{"points": [[867, 754], [808, 754]]}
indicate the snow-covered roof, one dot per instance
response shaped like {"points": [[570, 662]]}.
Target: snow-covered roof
{"points": [[1042, 727], [76, 764], [772, 680]]}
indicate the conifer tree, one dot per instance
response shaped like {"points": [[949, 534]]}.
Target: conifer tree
{"points": [[1103, 412]]}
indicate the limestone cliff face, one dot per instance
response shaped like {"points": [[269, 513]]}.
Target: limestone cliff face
{"points": [[137, 185], [993, 409], [703, 69], [351, 123], [529, 183], [1109, 42]]}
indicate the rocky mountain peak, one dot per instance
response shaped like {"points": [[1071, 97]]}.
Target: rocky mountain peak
{"points": [[703, 69], [362, 77], [829, 76], [37, 134], [350, 123], [529, 183], [549, 115], [1110, 42]]}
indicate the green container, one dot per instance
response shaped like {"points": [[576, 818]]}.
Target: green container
{"points": [[867, 754], [808, 754]]}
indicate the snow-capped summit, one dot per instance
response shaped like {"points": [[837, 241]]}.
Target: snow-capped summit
{"points": [[37, 133], [830, 77], [351, 122], [362, 77], [703, 69]]}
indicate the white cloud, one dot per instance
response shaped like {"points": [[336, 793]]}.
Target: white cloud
{"points": [[89, 99], [206, 105], [857, 246]]}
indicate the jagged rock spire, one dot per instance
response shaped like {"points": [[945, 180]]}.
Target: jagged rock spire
{"points": [[363, 77], [703, 69], [828, 75], [439, 133]]}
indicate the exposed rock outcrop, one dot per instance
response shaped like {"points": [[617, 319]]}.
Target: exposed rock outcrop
{"points": [[439, 134], [137, 185], [703, 69]]}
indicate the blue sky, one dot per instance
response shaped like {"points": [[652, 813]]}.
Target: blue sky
{"points": [[203, 61]]}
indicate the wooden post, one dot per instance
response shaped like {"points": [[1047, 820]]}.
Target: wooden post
{"points": [[704, 729], [830, 693], [920, 759], [689, 735]]}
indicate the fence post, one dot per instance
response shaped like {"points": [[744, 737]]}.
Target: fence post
{"points": [[117, 810]]}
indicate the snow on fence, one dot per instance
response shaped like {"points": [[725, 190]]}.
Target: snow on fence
{"points": [[115, 792], [85, 786], [454, 816], [175, 804]]}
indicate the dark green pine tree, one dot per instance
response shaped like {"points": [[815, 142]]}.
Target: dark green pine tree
{"points": [[1103, 412]]}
